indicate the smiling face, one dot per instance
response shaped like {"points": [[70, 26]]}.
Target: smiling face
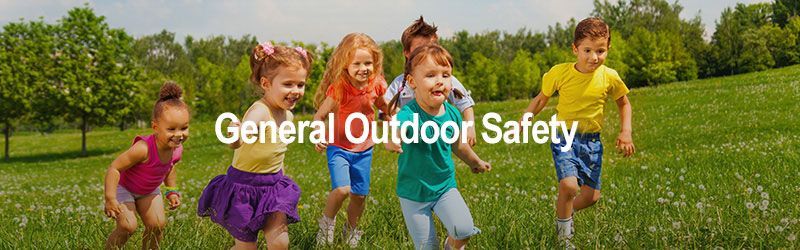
{"points": [[431, 83], [286, 88], [361, 67], [591, 53], [172, 126]]}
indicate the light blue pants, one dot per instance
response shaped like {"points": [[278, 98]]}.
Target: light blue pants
{"points": [[452, 212]]}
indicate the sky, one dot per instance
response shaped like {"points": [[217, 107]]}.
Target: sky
{"points": [[329, 21]]}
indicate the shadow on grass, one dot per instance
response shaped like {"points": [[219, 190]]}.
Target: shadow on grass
{"points": [[51, 157]]}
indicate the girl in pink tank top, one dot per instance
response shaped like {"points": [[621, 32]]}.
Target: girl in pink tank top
{"points": [[133, 179]]}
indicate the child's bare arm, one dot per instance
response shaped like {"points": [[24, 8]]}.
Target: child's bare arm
{"points": [[134, 155], [464, 152], [172, 182], [625, 139], [327, 106], [537, 104]]}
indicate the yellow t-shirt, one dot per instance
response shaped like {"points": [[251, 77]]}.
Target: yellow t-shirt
{"points": [[582, 96], [262, 158]]}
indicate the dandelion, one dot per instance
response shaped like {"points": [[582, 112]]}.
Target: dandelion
{"points": [[18, 206], [676, 225], [680, 178], [749, 205], [779, 229], [618, 238], [652, 229], [792, 237], [662, 200], [749, 190], [764, 204], [702, 187], [699, 205], [764, 195], [759, 188], [543, 197]]}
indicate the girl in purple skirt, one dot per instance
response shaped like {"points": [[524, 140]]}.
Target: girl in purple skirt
{"points": [[255, 195]]}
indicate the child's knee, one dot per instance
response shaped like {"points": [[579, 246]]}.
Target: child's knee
{"points": [[127, 227], [280, 241], [341, 191], [357, 197], [568, 188], [594, 197]]}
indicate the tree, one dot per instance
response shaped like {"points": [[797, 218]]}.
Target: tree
{"points": [[25, 61], [96, 73], [523, 77], [482, 77], [783, 10]]}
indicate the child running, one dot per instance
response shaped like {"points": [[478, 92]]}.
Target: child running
{"points": [[352, 83], [426, 180], [583, 87], [255, 196], [133, 179], [421, 33]]}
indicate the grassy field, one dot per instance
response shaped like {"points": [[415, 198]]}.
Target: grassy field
{"points": [[717, 166]]}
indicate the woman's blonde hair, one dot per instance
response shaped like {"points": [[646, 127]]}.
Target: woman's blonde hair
{"points": [[335, 70]]}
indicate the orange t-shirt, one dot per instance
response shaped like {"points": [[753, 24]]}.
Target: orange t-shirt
{"points": [[355, 100]]}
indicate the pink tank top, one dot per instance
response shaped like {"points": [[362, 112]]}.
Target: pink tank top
{"points": [[145, 177]]}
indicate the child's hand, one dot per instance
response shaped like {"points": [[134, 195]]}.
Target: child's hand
{"points": [[625, 144], [320, 147], [393, 147], [112, 208], [471, 136], [174, 201], [481, 167]]}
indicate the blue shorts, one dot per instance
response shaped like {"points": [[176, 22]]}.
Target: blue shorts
{"points": [[584, 160], [349, 169]]}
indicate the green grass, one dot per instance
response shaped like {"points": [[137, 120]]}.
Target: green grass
{"points": [[706, 149]]}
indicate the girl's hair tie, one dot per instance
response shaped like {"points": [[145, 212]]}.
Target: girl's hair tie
{"points": [[301, 51], [266, 50]]}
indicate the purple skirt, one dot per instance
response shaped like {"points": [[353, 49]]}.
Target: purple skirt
{"points": [[241, 201]]}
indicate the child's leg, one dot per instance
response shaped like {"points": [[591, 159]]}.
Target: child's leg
{"points": [[567, 190], [126, 226], [360, 167], [335, 199], [456, 217], [151, 209], [588, 197], [419, 223], [355, 209], [276, 231], [243, 245], [338, 166]]}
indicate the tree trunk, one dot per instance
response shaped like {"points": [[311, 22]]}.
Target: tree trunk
{"points": [[122, 126], [84, 127], [7, 133]]}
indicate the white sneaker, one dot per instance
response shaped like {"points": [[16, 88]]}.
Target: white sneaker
{"points": [[564, 233], [326, 230], [352, 236]]}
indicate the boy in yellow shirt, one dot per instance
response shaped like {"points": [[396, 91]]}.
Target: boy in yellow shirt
{"points": [[583, 87]]}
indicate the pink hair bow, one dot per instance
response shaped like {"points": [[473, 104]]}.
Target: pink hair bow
{"points": [[301, 51], [267, 49]]}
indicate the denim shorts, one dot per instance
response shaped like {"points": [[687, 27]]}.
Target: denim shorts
{"points": [[584, 160], [349, 169], [452, 212]]}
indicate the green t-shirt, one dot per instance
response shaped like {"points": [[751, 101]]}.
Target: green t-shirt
{"points": [[426, 171]]}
